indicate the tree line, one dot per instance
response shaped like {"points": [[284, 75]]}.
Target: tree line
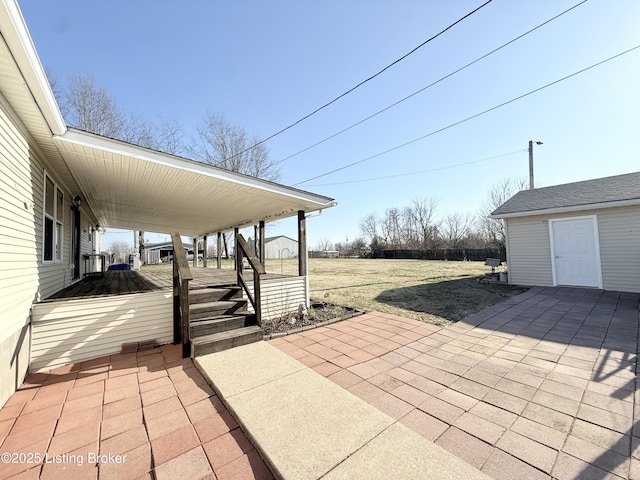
{"points": [[89, 106], [420, 227]]}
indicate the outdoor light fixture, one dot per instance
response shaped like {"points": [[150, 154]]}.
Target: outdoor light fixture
{"points": [[77, 201], [531, 142]]}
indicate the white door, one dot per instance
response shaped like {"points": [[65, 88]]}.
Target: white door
{"points": [[575, 251]]}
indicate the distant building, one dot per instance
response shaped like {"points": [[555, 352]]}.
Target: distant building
{"points": [[280, 246], [325, 254]]}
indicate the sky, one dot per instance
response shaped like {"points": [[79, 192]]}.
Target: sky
{"points": [[265, 65]]}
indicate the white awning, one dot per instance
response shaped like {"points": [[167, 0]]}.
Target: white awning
{"points": [[135, 188]]}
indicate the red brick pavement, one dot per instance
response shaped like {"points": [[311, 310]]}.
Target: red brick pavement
{"points": [[153, 408], [541, 386]]}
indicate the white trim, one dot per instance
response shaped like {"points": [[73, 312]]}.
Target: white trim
{"points": [[573, 208], [57, 218], [508, 251], [15, 32], [88, 140], [596, 239]]}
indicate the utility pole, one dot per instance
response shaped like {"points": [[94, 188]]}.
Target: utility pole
{"points": [[531, 142]]}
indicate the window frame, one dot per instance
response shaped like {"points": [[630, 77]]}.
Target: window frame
{"points": [[52, 222]]}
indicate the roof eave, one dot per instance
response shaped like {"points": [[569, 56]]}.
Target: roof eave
{"points": [[16, 34], [572, 208], [91, 140]]}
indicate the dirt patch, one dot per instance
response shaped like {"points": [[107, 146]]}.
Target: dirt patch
{"points": [[318, 313]]}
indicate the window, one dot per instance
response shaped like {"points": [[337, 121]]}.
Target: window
{"points": [[53, 221], [59, 218]]}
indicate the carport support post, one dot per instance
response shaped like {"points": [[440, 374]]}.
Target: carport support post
{"points": [[256, 249], [195, 252], [302, 244], [261, 252], [235, 236], [219, 251], [204, 247]]}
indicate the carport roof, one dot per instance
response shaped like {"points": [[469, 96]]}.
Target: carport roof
{"points": [[619, 190], [131, 187]]}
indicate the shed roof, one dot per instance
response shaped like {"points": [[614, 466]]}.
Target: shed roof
{"points": [[619, 190], [271, 239]]}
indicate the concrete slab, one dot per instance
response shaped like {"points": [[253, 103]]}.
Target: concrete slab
{"points": [[306, 426], [399, 452], [240, 369]]}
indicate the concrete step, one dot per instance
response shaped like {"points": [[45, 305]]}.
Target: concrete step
{"points": [[221, 323], [205, 295], [212, 309], [220, 341]]}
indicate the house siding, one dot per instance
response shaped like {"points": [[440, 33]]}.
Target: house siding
{"points": [[24, 277], [20, 196], [71, 331], [619, 233], [281, 296]]}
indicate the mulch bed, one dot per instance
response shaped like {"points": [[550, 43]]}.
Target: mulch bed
{"points": [[318, 314]]}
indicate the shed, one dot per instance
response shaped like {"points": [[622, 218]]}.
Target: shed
{"points": [[280, 247], [584, 234]]}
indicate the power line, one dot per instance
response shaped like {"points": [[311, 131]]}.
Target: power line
{"points": [[469, 118], [419, 171], [362, 82], [428, 86]]}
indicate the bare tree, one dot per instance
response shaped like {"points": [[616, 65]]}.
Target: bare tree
{"points": [[120, 250], [89, 106], [223, 145], [424, 217], [324, 244], [456, 229], [170, 137], [370, 227], [493, 230]]}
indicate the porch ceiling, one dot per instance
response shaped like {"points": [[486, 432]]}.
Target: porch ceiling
{"points": [[135, 188]]}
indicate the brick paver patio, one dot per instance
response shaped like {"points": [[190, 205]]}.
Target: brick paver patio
{"points": [[153, 408], [541, 386]]}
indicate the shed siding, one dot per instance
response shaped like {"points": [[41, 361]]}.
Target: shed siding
{"points": [[281, 296], [619, 232], [70, 331], [529, 251], [276, 248]]}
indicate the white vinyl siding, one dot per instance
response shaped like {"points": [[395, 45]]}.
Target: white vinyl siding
{"points": [[619, 230], [529, 252], [20, 216], [71, 331], [281, 247], [281, 296], [24, 277]]}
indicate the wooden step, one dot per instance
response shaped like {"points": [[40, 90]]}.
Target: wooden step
{"points": [[220, 341], [213, 309], [205, 295], [221, 323]]}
